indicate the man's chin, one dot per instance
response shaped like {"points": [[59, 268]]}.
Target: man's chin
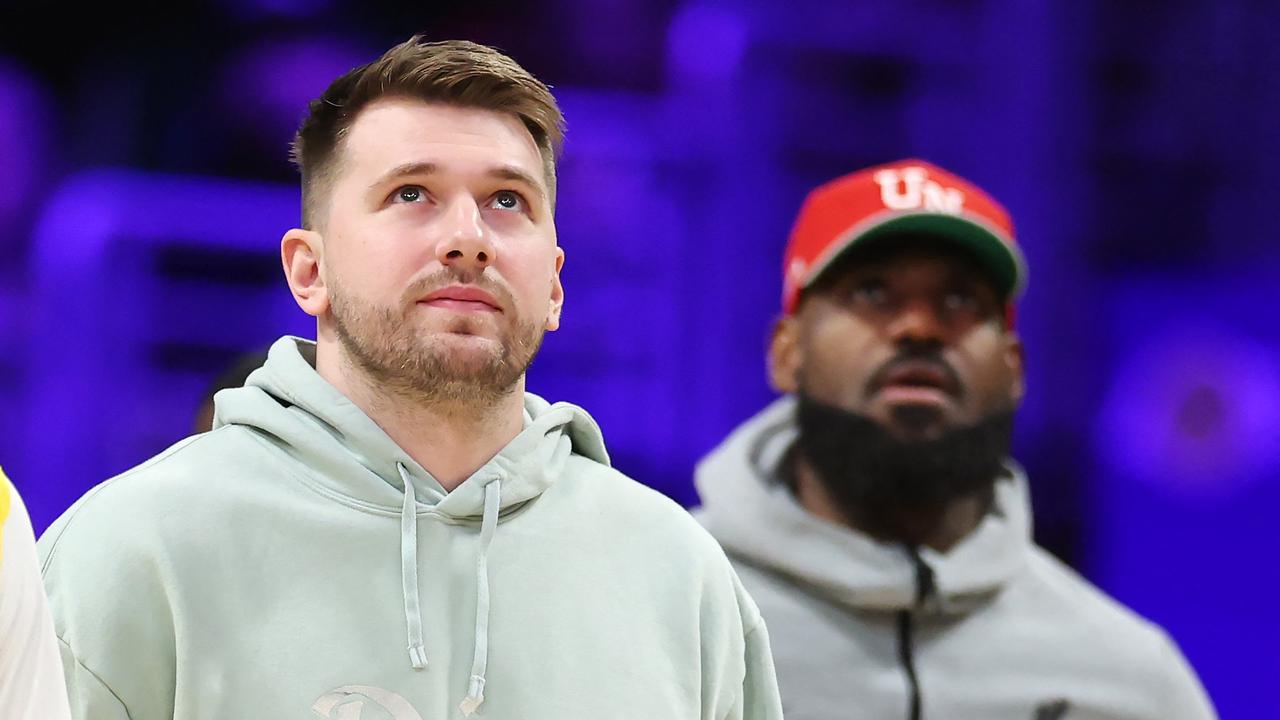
{"points": [[461, 338], [464, 342], [916, 422], [461, 356]]}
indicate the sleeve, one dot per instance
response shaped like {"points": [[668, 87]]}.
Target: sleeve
{"points": [[31, 684], [1184, 697], [760, 700], [110, 612], [757, 698], [90, 697]]}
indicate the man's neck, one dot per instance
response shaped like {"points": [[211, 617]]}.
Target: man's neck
{"points": [[450, 441], [939, 528]]}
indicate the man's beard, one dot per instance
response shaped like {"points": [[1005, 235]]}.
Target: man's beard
{"points": [[876, 479], [386, 344]]}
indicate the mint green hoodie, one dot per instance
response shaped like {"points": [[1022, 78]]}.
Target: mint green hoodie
{"points": [[296, 563]]}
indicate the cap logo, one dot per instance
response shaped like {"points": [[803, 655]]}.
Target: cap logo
{"points": [[911, 189]]}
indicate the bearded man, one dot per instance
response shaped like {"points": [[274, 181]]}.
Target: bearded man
{"points": [[873, 512], [383, 523]]}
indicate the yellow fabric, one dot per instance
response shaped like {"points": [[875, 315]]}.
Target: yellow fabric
{"points": [[5, 489]]}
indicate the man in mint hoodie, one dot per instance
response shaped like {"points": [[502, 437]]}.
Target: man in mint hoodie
{"points": [[873, 511], [383, 523]]}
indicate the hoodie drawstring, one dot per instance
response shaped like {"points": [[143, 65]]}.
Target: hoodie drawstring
{"points": [[409, 572], [480, 660], [413, 605]]}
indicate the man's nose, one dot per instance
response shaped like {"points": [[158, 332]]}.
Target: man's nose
{"points": [[465, 243], [917, 322]]}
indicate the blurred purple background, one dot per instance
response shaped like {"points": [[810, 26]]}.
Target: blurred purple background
{"points": [[144, 188]]}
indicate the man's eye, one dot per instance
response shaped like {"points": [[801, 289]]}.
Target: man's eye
{"points": [[507, 200], [869, 294], [409, 194], [960, 300]]}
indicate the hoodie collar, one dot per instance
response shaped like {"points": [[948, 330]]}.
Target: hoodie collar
{"points": [[757, 519], [288, 401]]}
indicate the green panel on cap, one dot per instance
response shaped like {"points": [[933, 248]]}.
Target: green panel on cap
{"points": [[991, 252]]}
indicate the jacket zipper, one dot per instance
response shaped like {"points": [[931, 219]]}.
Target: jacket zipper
{"points": [[924, 588], [908, 665]]}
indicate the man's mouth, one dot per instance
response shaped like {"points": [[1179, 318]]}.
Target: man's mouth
{"points": [[461, 298], [917, 382]]}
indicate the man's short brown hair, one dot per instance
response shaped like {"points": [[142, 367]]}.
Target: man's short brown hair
{"points": [[453, 72]]}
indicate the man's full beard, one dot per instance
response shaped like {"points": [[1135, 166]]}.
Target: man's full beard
{"points": [[875, 477], [389, 348]]}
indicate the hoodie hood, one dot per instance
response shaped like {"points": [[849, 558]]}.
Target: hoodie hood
{"points": [[352, 459], [288, 401], [757, 519]]}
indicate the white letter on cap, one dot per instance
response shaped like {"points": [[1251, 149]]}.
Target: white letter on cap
{"points": [[909, 198], [940, 199]]}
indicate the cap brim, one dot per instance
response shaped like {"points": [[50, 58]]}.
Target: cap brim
{"points": [[998, 256]]}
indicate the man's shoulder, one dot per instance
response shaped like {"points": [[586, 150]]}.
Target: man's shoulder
{"points": [[130, 507], [630, 508], [1090, 613], [181, 468], [1111, 640], [619, 491]]}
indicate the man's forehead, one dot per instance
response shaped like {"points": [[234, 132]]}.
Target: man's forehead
{"points": [[393, 132]]}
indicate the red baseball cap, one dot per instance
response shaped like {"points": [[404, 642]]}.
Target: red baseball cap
{"points": [[905, 196]]}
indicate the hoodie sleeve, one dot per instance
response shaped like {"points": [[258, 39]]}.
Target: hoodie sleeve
{"points": [[757, 698], [1183, 696], [90, 697], [101, 572], [760, 699]]}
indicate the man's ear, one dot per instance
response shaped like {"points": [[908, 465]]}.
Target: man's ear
{"points": [[557, 293], [786, 355], [302, 254], [1013, 359]]}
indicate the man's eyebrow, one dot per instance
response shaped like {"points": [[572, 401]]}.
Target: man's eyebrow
{"points": [[502, 172], [405, 170], [970, 273], [511, 172]]}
